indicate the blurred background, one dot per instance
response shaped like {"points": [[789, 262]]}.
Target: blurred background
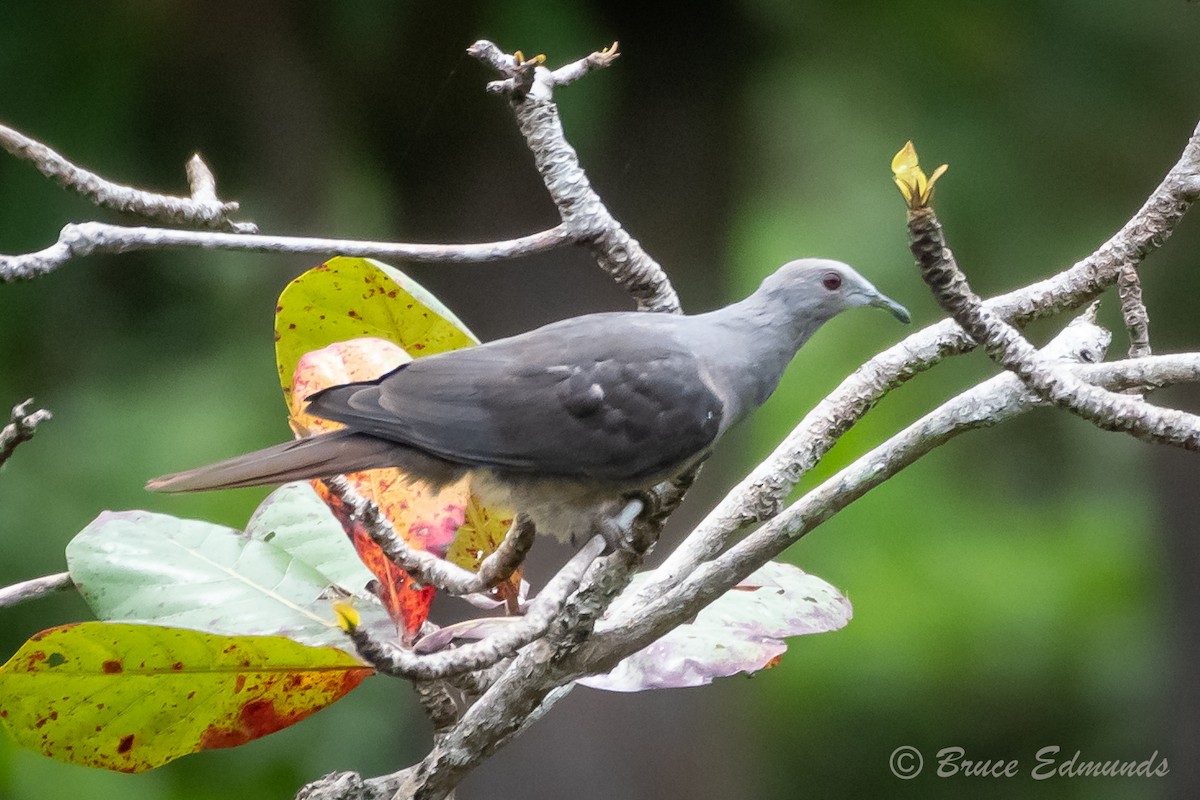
{"points": [[1026, 586]]}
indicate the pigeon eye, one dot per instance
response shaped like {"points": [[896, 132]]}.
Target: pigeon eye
{"points": [[832, 281]]}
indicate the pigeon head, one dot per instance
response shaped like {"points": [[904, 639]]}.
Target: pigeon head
{"points": [[821, 288]]}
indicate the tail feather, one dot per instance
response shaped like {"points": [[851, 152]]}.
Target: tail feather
{"points": [[335, 453]]}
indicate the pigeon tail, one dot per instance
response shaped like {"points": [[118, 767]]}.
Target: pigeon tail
{"points": [[335, 453]]}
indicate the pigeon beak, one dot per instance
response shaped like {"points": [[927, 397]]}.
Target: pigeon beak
{"points": [[888, 304]]}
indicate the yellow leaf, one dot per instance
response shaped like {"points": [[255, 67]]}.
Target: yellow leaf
{"points": [[915, 187], [347, 615], [905, 159], [129, 698]]}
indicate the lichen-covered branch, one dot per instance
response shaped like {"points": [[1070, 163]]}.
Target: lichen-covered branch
{"points": [[540, 674], [535, 679], [529, 87], [1005, 345], [1133, 311], [393, 659], [202, 209], [90, 238], [22, 424], [761, 494]]}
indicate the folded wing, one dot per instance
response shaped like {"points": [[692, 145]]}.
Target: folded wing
{"points": [[605, 398]]}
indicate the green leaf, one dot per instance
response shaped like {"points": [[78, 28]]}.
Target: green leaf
{"points": [[145, 567], [133, 697], [295, 519], [349, 298]]}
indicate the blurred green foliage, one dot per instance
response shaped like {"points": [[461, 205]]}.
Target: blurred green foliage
{"points": [[1018, 588]]}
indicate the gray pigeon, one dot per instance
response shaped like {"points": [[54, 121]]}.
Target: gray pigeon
{"points": [[565, 422]]}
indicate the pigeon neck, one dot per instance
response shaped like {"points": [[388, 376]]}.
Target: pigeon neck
{"points": [[760, 335], [784, 321]]}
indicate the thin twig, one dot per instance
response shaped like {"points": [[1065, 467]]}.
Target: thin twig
{"points": [[89, 238], [1133, 310], [581, 209], [202, 209], [402, 662], [425, 567], [22, 425], [578, 69], [35, 588]]}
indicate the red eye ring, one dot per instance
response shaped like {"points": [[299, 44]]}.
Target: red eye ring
{"points": [[831, 281]]}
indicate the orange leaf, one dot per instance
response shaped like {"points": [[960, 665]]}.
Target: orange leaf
{"points": [[425, 519], [481, 533]]}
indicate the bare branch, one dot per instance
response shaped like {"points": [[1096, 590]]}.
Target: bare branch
{"points": [[35, 588], [988, 404], [582, 210], [202, 209], [899, 452], [87, 238], [1133, 310], [577, 69], [22, 425], [535, 680], [540, 674], [541, 612], [761, 494], [1005, 345], [425, 567]]}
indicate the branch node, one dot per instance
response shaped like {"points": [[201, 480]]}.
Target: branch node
{"points": [[202, 182], [21, 426]]}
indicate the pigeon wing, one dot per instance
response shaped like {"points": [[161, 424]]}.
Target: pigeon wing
{"points": [[613, 397]]}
